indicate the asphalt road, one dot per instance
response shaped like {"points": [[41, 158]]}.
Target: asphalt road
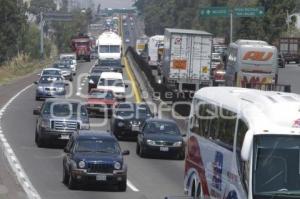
{"points": [[154, 178], [290, 75]]}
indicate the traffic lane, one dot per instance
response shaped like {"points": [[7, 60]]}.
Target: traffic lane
{"points": [[43, 166], [290, 75]]}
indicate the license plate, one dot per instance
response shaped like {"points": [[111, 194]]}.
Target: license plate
{"points": [[101, 177], [64, 137], [164, 149], [135, 128]]}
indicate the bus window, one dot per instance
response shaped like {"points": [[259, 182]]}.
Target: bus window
{"points": [[226, 128]]}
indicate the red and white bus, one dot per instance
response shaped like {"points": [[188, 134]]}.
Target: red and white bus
{"points": [[243, 144]]}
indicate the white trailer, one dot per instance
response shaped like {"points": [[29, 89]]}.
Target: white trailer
{"points": [[187, 59], [251, 63], [140, 44], [155, 42]]}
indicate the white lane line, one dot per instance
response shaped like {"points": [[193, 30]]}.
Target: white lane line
{"points": [[12, 158], [78, 93], [80, 88], [132, 187], [82, 84]]}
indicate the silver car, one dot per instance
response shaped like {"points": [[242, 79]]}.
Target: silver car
{"points": [[58, 119], [66, 70], [49, 86]]}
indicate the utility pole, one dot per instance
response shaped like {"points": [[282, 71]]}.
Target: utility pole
{"points": [[42, 23], [231, 26]]}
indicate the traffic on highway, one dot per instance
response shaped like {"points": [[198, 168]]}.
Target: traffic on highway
{"points": [[129, 111]]}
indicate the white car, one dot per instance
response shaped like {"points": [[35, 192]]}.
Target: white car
{"points": [[113, 81], [50, 72]]}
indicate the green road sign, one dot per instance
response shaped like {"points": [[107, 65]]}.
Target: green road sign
{"points": [[249, 12], [214, 12]]}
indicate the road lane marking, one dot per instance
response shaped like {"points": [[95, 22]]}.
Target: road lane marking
{"points": [[82, 84], [132, 187], [11, 157]]}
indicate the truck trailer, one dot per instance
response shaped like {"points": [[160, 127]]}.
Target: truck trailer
{"points": [[187, 59]]}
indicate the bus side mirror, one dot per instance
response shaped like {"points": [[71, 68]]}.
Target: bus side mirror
{"points": [[247, 145]]}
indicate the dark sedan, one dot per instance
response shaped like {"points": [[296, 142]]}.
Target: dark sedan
{"points": [[127, 119], [94, 157], [50, 86], [160, 137]]}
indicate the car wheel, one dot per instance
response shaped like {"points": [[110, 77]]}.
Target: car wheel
{"points": [[65, 176], [72, 185], [122, 186], [137, 149], [141, 152], [38, 140]]}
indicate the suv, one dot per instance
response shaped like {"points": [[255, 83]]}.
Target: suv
{"points": [[94, 157], [58, 119]]}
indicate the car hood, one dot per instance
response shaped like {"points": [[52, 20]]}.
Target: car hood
{"points": [[72, 118], [100, 101], [52, 85], [163, 137], [101, 157]]}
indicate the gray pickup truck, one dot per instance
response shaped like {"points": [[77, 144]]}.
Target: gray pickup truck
{"points": [[58, 119]]}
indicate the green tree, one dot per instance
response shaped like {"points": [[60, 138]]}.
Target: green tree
{"points": [[37, 6]]}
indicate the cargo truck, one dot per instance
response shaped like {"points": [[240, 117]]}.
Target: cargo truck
{"points": [[82, 46], [140, 44], [186, 59], [289, 47], [155, 42]]}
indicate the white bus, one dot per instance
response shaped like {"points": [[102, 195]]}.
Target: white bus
{"points": [[155, 42], [243, 144], [109, 46]]}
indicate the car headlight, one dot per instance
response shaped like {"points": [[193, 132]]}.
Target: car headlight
{"points": [[121, 124], [60, 89], [40, 88], [151, 142], [177, 144], [85, 126], [81, 164], [45, 123], [117, 165]]}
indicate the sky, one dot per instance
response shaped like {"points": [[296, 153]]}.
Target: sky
{"points": [[115, 3]]}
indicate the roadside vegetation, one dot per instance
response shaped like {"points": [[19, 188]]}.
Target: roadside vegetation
{"points": [[185, 14], [20, 35]]}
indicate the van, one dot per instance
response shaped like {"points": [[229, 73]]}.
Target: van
{"points": [[113, 81]]}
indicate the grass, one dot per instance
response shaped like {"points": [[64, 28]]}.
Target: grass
{"points": [[21, 65]]}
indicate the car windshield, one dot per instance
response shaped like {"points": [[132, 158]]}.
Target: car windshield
{"points": [[162, 128], [49, 79], [101, 94], [61, 66], [101, 146], [109, 62], [94, 79], [109, 49], [111, 82], [63, 109], [276, 166], [131, 110], [51, 72]]}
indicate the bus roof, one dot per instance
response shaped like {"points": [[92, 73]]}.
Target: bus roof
{"points": [[264, 111], [109, 38]]}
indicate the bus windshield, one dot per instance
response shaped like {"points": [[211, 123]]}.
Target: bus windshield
{"points": [[109, 49], [276, 166]]}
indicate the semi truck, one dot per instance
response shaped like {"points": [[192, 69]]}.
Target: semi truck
{"points": [[82, 46], [141, 44], [186, 59], [251, 63], [289, 47]]}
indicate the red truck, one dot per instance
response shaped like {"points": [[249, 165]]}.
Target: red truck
{"points": [[82, 45]]}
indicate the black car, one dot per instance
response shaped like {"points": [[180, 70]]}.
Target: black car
{"points": [[160, 137], [127, 119], [94, 157], [115, 65]]}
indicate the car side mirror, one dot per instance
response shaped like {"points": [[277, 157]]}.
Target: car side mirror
{"points": [[66, 150], [74, 74], [126, 85], [36, 112], [66, 84], [183, 135], [126, 152], [35, 82]]}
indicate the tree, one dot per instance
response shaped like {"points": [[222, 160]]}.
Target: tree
{"points": [[37, 6], [12, 27]]}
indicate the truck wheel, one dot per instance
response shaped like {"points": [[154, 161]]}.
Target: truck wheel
{"points": [[122, 186], [39, 141]]}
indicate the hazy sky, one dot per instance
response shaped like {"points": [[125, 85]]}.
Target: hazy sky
{"points": [[115, 3]]}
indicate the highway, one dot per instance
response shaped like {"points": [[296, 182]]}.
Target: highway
{"points": [[147, 178]]}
